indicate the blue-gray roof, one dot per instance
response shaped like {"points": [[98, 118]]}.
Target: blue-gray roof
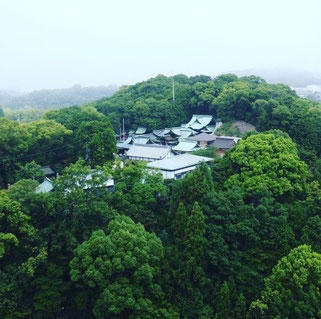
{"points": [[45, 187], [185, 146], [141, 130], [198, 121]]}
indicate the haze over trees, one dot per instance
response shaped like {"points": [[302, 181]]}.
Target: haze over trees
{"points": [[237, 238], [56, 98]]}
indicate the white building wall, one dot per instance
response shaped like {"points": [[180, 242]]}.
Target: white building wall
{"points": [[177, 173]]}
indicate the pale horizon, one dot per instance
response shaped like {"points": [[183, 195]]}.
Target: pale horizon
{"points": [[48, 45]]}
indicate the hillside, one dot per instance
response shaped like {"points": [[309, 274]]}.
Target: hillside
{"points": [[229, 238], [237, 128], [51, 99], [228, 98]]}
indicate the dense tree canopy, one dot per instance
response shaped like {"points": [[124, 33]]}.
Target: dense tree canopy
{"points": [[293, 289], [123, 267], [268, 161], [112, 240]]}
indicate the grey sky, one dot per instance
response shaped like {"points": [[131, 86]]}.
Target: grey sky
{"points": [[57, 43]]}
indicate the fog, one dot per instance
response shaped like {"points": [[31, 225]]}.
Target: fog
{"points": [[54, 44]]}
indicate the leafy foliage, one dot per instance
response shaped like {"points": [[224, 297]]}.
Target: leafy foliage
{"points": [[210, 245], [123, 266], [268, 161], [292, 290]]}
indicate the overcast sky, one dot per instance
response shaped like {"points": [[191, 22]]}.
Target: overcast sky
{"points": [[57, 43]]}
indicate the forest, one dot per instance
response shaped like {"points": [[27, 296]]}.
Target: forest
{"points": [[55, 98], [237, 238]]}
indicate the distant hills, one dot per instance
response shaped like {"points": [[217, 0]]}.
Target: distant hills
{"points": [[77, 95], [289, 76], [57, 98]]}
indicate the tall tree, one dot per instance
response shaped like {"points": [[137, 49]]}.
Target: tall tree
{"points": [[20, 255], [193, 187], [186, 258], [122, 267], [14, 143], [31, 171], [268, 161], [48, 142], [293, 289], [141, 196], [223, 308], [98, 142]]}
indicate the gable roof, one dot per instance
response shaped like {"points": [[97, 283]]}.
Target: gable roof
{"points": [[203, 137], [176, 131], [181, 131], [124, 146], [141, 139], [185, 133], [141, 130], [45, 187], [161, 133], [178, 162], [209, 129], [224, 142], [148, 151], [185, 145], [198, 121]]}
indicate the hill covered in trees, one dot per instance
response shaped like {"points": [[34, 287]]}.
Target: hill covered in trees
{"points": [[227, 97], [238, 238], [58, 98]]}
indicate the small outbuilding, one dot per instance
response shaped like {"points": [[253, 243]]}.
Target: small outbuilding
{"points": [[48, 171], [45, 187], [224, 143]]}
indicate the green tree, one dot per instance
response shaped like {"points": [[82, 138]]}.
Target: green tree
{"points": [[293, 289], [311, 233], [122, 267], [72, 117], [19, 258], [141, 196], [47, 289], [234, 102], [239, 312], [21, 189], [193, 187], [14, 143], [186, 261], [268, 161], [223, 308], [190, 243], [245, 239], [48, 142], [31, 171], [98, 142], [203, 95]]}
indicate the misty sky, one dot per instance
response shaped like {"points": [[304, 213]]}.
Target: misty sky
{"points": [[57, 43]]}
